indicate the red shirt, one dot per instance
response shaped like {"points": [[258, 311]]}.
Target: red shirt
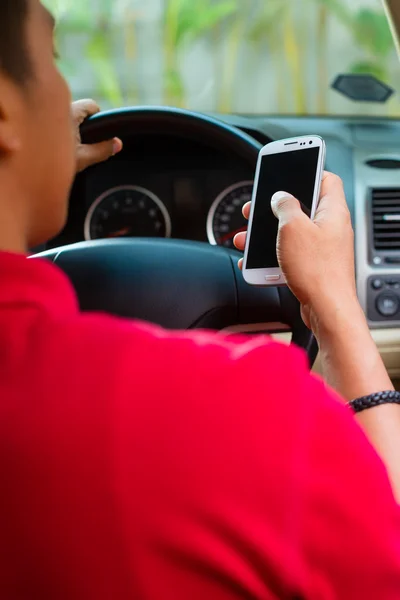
{"points": [[141, 464]]}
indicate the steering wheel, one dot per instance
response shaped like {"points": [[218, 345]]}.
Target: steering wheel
{"points": [[174, 283]]}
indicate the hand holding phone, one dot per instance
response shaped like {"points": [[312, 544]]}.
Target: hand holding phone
{"points": [[316, 256], [294, 166]]}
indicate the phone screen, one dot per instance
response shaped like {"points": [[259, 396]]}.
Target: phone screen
{"points": [[292, 172]]}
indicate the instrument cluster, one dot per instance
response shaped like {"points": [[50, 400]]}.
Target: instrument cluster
{"points": [[137, 211]]}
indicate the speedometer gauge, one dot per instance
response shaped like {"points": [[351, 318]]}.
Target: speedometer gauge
{"points": [[127, 211], [225, 218]]}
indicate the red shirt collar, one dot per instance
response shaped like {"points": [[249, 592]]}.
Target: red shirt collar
{"points": [[35, 282]]}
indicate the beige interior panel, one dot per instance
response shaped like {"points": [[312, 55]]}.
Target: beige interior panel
{"points": [[387, 341]]}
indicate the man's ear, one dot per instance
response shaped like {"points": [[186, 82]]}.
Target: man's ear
{"points": [[10, 98]]}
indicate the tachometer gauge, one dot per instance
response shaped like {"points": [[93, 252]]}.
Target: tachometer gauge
{"points": [[225, 218], [127, 211]]}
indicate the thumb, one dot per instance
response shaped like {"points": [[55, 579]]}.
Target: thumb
{"points": [[91, 154], [286, 208]]}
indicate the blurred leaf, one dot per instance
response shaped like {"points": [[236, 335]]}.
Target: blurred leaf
{"points": [[340, 9], [369, 27], [189, 19], [185, 21], [266, 23], [173, 82], [209, 15], [370, 68], [372, 32], [99, 52]]}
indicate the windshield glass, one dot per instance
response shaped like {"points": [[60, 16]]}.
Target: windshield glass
{"points": [[227, 56]]}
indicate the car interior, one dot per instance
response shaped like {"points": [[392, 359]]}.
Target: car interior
{"points": [[150, 232]]}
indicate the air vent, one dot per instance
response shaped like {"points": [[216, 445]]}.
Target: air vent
{"points": [[384, 163], [386, 219]]}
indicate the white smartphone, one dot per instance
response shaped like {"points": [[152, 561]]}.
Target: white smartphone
{"points": [[296, 166]]}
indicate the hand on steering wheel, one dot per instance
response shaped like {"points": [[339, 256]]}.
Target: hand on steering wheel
{"points": [[88, 155], [317, 257]]}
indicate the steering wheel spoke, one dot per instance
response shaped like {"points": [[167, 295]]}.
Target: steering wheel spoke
{"points": [[176, 284]]}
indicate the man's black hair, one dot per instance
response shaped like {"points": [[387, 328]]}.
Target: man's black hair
{"points": [[14, 59]]}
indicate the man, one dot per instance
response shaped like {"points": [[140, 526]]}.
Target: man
{"points": [[235, 474]]}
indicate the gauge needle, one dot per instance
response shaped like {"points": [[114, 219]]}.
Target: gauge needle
{"points": [[232, 234], [120, 233]]}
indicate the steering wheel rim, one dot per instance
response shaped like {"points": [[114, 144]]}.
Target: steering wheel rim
{"points": [[132, 277], [152, 119]]}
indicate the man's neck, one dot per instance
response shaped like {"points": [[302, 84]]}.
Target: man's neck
{"points": [[10, 242], [13, 221]]}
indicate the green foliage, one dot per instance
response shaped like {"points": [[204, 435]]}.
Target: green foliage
{"points": [[369, 28], [339, 9], [272, 30], [266, 23], [99, 52], [372, 32], [79, 18], [370, 68], [187, 20], [174, 85]]}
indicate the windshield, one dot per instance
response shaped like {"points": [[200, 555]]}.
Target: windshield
{"points": [[227, 56]]}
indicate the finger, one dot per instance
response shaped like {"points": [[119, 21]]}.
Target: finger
{"points": [[332, 186], [91, 154], [240, 240], [240, 264], [286, 208], [82, 109], [333, 200], [246, 210]]}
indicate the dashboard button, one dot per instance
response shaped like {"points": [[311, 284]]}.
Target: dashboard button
{"points": [[377, 284], [387, 304], [392, 260], [392, 282]]}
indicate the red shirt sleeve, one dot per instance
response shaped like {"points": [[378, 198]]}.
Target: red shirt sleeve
{"points": [[142, 464]]}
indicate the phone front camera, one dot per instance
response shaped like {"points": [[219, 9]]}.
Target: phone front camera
{"points": [[310, 143]]}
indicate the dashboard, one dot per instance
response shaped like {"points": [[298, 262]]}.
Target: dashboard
{"points": [[170, 186], [161, 186]]}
